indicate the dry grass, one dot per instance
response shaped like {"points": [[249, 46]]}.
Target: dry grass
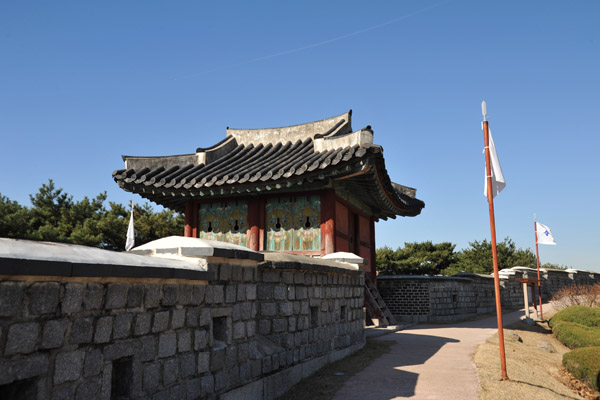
{"points": [[328, 380], [534, 367], [584, 295]]}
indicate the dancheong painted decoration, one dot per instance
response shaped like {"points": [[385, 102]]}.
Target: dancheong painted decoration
{"points": [[311, 189], [293, 223], [224, 221]]}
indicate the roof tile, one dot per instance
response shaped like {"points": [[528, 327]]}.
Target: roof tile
{"points": [[235, 169]]}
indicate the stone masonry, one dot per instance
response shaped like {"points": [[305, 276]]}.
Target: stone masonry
{"points": [[437, 298], [250, 331]]}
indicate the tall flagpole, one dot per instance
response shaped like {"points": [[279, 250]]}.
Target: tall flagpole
{"points": [[537, 257], [490, 195]]}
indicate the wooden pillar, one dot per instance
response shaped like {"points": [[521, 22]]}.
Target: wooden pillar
{"points": [[328, 222], [373, 251], [526, 298], [189, 217], [261, 224], [535, 308], [195, 220], [254, 224]]}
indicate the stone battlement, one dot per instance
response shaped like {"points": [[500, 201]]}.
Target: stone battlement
{"points": [[224, 322], [441, 298]]}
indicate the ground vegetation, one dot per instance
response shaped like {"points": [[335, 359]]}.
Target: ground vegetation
{"points": [[534, 364], [586, 316], [584, 364], [578, 327], [584, 295]]}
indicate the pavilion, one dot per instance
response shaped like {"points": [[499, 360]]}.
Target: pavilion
{"points": [[311, 189]]}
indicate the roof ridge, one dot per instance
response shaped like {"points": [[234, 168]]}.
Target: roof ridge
{"points": [[329, 126]]}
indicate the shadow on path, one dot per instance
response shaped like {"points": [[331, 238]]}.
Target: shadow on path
{"points": [[391, 375], [489, 322], [426, 361]]}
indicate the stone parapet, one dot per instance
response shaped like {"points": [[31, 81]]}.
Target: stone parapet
{"points": [[438, 298], [244, 328]]}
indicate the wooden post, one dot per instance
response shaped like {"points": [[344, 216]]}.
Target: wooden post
{"points": [[189, 215], [328, 222], [535, 308], [529, 283], [526, 298], [261, 224], [373, 251], [253, 224], [488, 169]]}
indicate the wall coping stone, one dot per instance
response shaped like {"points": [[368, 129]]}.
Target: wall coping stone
{"points": [[563, 271], [181, 246], [27, 257], [278, 260], [473, 275], [345, 257], [517, 268], [572, 270], [508, 271], [424, 277]]}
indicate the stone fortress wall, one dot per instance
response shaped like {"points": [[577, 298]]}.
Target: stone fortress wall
{"points": [[229, 324], [438, 298], [203, 321]]}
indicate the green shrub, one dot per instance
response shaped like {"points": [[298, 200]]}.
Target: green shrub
{"points": [[584, 364], [581, 315], [575, 335]]}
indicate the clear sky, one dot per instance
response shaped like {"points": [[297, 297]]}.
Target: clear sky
{"points": [[82, 83]]}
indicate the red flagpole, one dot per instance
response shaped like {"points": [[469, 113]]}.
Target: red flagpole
{"points": [[488, 169], [537, 257]]}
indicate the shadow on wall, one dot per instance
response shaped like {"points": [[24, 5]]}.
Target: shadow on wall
{"points": [[401, 356]]}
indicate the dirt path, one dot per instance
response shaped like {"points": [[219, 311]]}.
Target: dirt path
{"points": [[426, 362]]}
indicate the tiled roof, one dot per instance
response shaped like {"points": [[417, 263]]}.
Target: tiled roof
{"points": [[290, 159]]}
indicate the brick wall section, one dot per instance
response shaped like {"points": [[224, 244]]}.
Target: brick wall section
{"points": [[89, 338], [424, 298], [412, 298], [511, 290]]}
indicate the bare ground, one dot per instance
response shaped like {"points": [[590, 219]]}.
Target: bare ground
{"points": [[534, 366]]}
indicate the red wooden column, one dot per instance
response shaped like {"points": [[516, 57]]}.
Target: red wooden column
{"points": [[195, 219], [189, 219], [328, 222], [261, 224], [254, 224], [373, 251]]}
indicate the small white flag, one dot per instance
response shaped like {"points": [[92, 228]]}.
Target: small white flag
{"points": [[130, 233], [498, 182], [544, 234]]}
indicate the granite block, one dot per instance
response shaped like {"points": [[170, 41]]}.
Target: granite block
{"points": [[22, 338]]}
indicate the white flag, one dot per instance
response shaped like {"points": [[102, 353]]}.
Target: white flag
{"points": [[544, 235], [498, 182], [130, 233]]}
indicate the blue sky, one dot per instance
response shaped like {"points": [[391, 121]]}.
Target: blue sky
{"points": [[82, 83]]}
